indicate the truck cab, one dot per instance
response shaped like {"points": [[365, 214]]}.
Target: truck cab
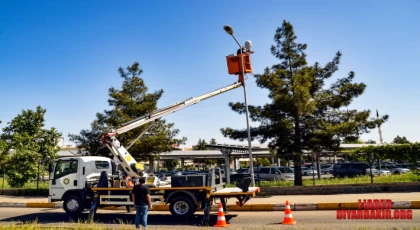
{"points": [[69, 177]]}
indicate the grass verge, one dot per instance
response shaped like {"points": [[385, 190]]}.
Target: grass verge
{"points": [[30, 185], [408, 177]]}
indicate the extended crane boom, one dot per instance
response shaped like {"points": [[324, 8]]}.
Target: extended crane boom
{"points": [[127, 162], [173, 108]]}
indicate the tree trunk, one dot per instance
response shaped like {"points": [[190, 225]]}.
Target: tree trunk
{"points": [[298, 151], [151, 165], [298, 171]]}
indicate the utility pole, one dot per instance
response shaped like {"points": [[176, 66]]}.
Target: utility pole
{"points": [[37, 179], [379, 129], [380, 136]]}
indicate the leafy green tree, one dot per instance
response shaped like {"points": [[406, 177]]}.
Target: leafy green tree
{"points": [[30, 143], [213, 141], [303, 114], [3, 155], [262, 162], [242, 164], [171, 164], [409, 152], [400, 140], [202, 145], [370, 142], [198, 145], [352, 141], [131, 101], [89, 140]]}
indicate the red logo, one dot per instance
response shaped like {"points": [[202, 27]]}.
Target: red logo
{"points": [[378, 209]]}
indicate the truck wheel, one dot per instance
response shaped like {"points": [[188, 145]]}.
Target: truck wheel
{"points": [[73, 206], [182, 207]]}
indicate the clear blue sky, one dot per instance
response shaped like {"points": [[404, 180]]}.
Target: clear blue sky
{"points": [[64, 55]]}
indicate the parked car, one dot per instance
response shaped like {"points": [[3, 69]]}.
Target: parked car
{"points": [[396, 170], [238, 176], [326, 169], [352, 169], [270, 173], [191, 172], [383, 171], [164, 178], [287, 172], [175, 172], [308, 171], [241, 170]]}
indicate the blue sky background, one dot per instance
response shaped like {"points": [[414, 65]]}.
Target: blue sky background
{"points": [[64, 55]]}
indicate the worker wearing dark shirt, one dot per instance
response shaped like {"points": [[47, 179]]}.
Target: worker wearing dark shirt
{"points": [[142, 202]]}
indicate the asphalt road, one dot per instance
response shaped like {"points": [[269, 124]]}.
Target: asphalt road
{"points": [[237, 220]]}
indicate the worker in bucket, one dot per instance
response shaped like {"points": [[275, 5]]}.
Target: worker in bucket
{"points": [[129, 182]]}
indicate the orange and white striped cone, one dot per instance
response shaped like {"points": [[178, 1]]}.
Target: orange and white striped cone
{"points": [[288, 217], [221, 220]]}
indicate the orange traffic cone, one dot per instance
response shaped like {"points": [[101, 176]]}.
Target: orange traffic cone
{"points": [[221, 220], [288, 218]]}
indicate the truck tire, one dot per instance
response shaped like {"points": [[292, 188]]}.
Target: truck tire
{"points": [[182, 207], [73, 206]]}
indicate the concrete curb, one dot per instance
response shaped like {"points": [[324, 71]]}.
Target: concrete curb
{"points": [[236, 208]]}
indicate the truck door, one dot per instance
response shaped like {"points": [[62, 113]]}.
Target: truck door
{"points": [[65, 177]]}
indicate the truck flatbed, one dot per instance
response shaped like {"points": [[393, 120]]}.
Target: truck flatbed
{"points": [[222, 192], [236, 191], [122, 196]]}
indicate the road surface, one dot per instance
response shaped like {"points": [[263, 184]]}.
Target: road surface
{"points": [[237, 220]]}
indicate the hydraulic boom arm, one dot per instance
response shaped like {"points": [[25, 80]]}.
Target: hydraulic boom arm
{"points": [[127, 162], [173, 108]]}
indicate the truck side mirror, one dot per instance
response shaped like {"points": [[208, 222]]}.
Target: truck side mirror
{"points": [[50, 168]]}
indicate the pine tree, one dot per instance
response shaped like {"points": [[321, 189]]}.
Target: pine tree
{"points": [[131, 101], [213, 141], [198, 145], [303, 114], [400, 140]]}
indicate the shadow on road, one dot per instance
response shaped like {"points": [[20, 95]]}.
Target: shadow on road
{"points": [[115, 218]]}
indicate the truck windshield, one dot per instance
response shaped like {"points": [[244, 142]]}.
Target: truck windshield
{"points": [[65, 167], [102, 164]]}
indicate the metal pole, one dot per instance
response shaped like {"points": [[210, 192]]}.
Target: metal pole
{"points": [[37, 179], [313, 170], [247, 118], [371, 174], [4, 178], [230, 31], [381, 141]]}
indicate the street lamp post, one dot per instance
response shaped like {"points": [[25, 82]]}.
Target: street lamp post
{"points": [[229, 30], [37, 179], [4, 177]]}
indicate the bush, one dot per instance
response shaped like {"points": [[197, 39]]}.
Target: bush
{"points": [[30, 185], [20, 168], [24, 192]]}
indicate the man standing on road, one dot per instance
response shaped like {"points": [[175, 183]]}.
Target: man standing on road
{"points": [[142, 201]]}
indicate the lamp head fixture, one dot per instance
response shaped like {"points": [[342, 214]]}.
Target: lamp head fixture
{"points": [[228, 29]]}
